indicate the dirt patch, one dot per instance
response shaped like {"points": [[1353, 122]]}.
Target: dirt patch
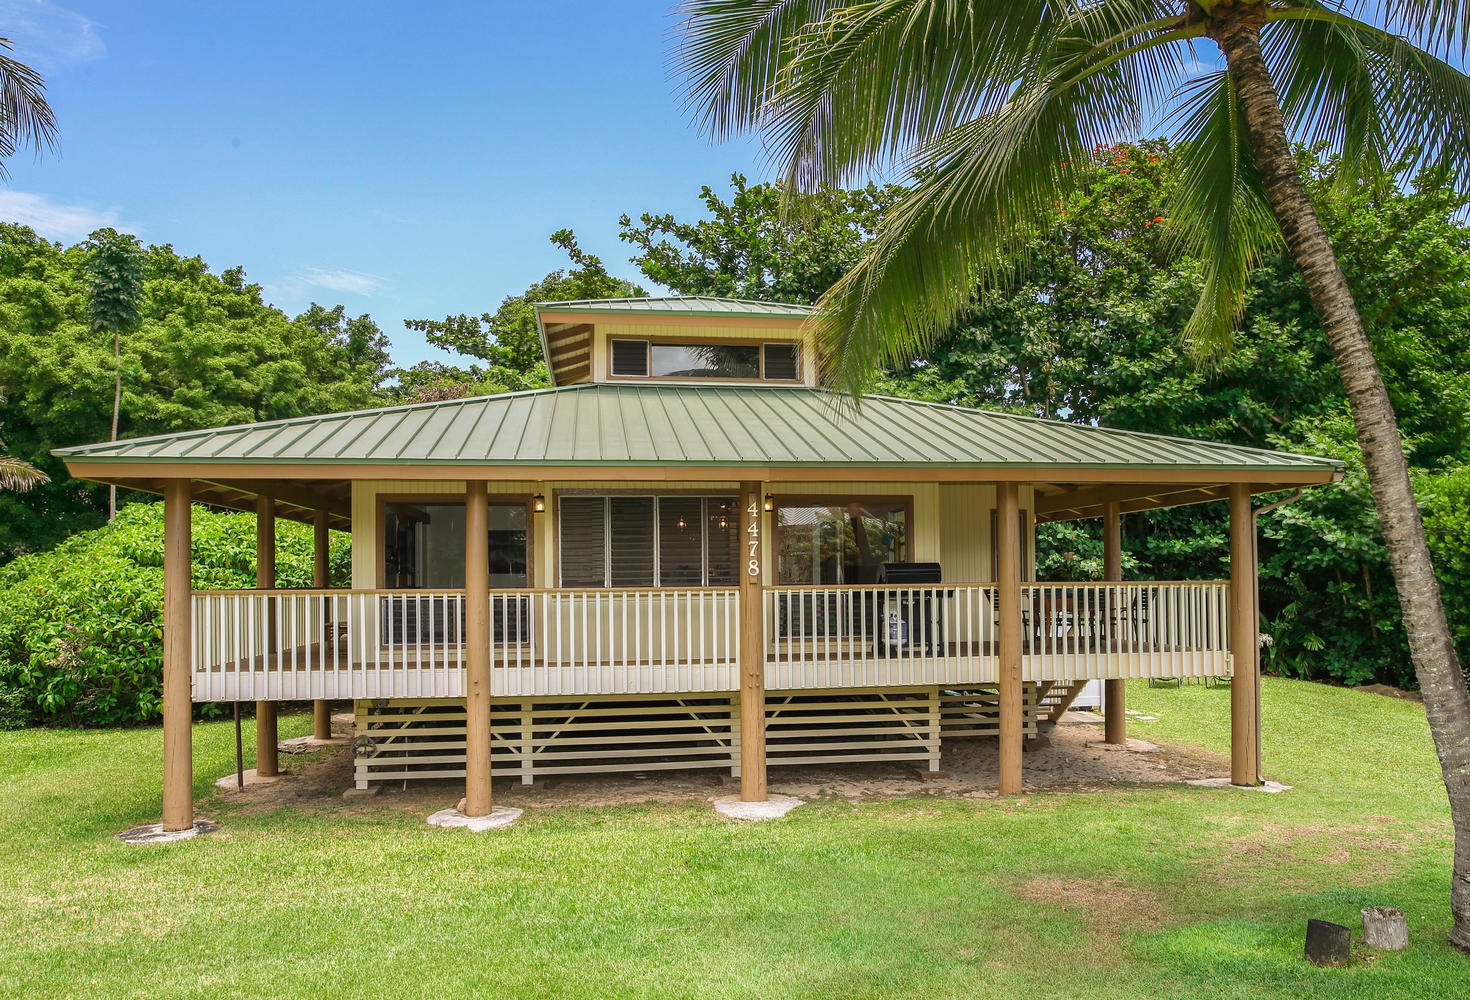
{"points": [[1389, 691], [1375, 847], [1109, 908], [1076, 759]]}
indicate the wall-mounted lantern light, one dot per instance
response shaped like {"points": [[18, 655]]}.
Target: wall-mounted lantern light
{"points": [[770, 501], [538, 504]]}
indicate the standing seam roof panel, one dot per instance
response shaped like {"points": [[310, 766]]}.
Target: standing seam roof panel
{"points": [[687, 424]]}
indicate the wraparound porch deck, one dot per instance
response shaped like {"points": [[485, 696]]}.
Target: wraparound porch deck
{"points": [[372, 644]]}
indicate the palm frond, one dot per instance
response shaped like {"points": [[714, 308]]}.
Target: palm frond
{"points": [[876, 80], [1438, 26], [983, 190], [1329, 91], [18, 475], [1219, 211], [1369, 94], [25, 117], [985, 185], [730, 52]]}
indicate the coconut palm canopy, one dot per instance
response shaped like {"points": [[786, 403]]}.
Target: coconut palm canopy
{"points": [[25, 117], [997, 109]]}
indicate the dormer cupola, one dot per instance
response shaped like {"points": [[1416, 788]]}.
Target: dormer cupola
{"points": [[694, 339]]}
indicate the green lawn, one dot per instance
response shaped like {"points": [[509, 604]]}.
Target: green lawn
{"points": [[1149, 892]]}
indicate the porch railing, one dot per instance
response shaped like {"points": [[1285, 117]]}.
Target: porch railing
{"points": [[304, 644]]}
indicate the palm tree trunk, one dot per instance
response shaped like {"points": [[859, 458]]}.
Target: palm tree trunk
{"points": [[1446, 698]]}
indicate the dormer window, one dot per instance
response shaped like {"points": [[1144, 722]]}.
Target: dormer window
{"points": [[740, 361]]}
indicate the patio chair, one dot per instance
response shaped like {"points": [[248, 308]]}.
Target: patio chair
{"points": [[1142, 633], [1027, 597]]}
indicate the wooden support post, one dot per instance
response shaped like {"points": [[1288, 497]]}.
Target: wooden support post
{"points": [[1115, 726], [1008, 606], [321, 579], [752, 646], [1245, 649], [178, 708], [267, 758], [477, 648]]}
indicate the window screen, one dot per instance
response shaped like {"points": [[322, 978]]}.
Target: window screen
{"points": [[681, 541], [630, 357], [723, 542], [781, 362], [630, 530], [583, 542]]}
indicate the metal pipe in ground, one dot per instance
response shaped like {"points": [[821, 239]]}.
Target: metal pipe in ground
{"points": [[239, 752]]}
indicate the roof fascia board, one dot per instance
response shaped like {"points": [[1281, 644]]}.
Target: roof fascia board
{"points": [[146, 469], [630, 317]]}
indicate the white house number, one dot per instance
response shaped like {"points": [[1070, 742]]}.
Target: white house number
{"points": [[753, 538]]}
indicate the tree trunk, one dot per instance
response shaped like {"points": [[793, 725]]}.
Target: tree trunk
{"points": [[1446, 699], [116, 408]]}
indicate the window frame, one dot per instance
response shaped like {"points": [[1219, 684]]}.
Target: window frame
{"points": [[759, 344], [380, 543], [904, 500], [704, 495], [795, 346]]}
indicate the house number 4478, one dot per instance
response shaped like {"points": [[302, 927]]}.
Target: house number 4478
{"points": [[753, 538]]}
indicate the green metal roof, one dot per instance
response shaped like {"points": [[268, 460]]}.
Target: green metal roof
{"points": [[691, 305], [689, 425]]}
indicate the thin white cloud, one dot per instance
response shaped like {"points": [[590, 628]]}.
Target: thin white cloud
{"points": [[49, 37], [340, 279], [52, 219]]}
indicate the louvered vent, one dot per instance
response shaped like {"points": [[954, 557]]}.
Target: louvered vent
{"points": [[630, 357], [780, 363]]}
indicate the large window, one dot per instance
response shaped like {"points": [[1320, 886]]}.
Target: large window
{"points": [[423, 545], [627, 541], [833, 543], [778, 362]]}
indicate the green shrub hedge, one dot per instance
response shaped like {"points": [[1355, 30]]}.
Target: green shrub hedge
{"points": [[81, 626]]}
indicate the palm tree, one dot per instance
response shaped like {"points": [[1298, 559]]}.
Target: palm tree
{"points": [[115, 272], [25, 120], [996, 106]]}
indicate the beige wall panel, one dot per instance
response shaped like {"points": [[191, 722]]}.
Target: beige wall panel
{"points": [[964, 532]]}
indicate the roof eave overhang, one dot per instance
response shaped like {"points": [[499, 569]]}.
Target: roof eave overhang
{"points": [[129, 471]]}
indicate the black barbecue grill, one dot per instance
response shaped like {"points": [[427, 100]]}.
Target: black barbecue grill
{"points": [[909, 620]]}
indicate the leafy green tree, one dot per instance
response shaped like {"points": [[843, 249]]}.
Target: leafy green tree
{"points": [[997, 106], [81, 640], [114, 303], [507, 340], [207, 352], [749, 248]]}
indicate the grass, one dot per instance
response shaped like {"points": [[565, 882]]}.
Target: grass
{"points": [[1157, 892]]}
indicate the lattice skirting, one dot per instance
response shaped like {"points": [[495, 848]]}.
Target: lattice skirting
{"points": [[415, 739]]}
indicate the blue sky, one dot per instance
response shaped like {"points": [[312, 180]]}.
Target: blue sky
{"points": [[405, 159]]}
